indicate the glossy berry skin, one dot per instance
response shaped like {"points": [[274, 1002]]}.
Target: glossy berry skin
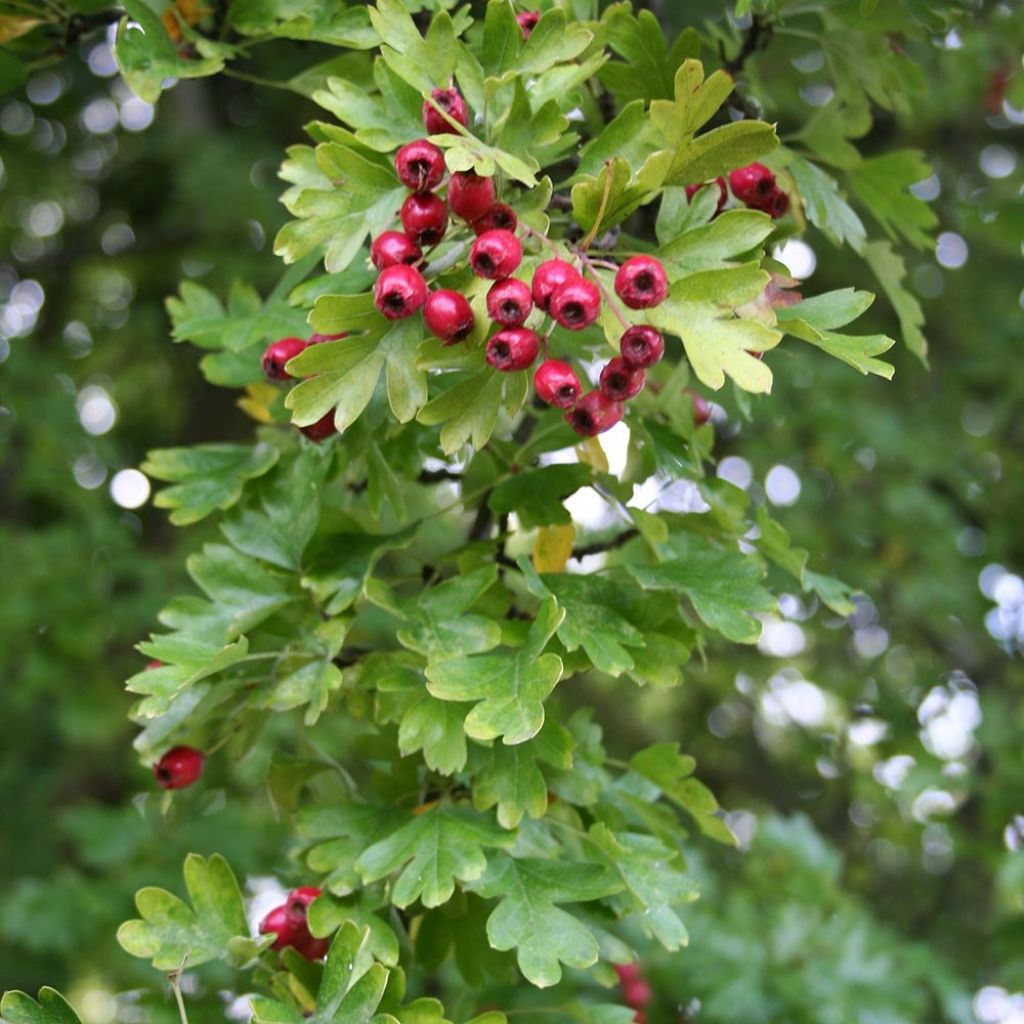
{"points": [[775, 203], [514, 348], [509, 302], [314, 949], [469, 195], [636, 994], [641, 282], [495, 255], [391, 248], [701, 407], [500, 215], [179, 767], [620, 381], [751, 182], [425, 218], [299, 900], [452, 103], [556, 384], [321, 429], [448, 315], [288, 929], [319, 339], [576, 304], [641, 346], [593, 414], [528, 22], [399, 292], [548, 278], [627, 972], [420, 165], [723, 193], [277, 354]]}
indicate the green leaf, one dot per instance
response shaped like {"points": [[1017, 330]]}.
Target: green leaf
{"points": [[626, 192], [712, 246], [891, 272], [529, 920], [722, 584], [306, 20], [672, 773], [467, 153], [716, 343], [437, 728], [825, 207], [345, 375], [652, 879], [424, 63], [552, 41], [206, 476], [508, 687], [172, 933], [537, 495], [432, 851], [511, 781], [502, 38], [147, 56], [882, 183], [382, 122], [469, 410], [647, 72], [327, 914], [52, 1008]]}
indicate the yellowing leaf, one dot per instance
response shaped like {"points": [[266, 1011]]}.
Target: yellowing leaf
{"points": [[553, 547], [257, 401], [13, 27]]}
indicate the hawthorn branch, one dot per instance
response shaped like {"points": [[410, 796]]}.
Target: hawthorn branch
{"points": [[602, 546], [757, 37]]}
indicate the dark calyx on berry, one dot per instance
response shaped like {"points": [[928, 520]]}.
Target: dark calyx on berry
{"points": [[277, 355], [420, 165], [556, 383], [452, 103], [391, 248], [514, 348], [179, 767], [424, 218], [527, 22], [548, 278], [449, 315], [495, 255], [399, 291], [641, 346], [470, 196], [499, 216], [594, 413], [509, 302], [620, 381], [576, 304], [641, 282]]}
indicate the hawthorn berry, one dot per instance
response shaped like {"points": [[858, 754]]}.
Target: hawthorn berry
{"points": [[179, 767], [641, 282], [557, 384], [528, 22], [277, 355], [314, 949], [299, 900], [399, 291], [287, 929], [775, 203], [469, 195], [495, 255], [449, 315], [514, 348], [548, 278], [500, 215], [425, 218], [641, 346], [636, 994], [701, 407], [723, 192], [576, 304], [391, 248], [321, 429], [594, 413], [620, 381], [509, 302], [452, 103], [420, 165], [751, 182], [627, 972]]}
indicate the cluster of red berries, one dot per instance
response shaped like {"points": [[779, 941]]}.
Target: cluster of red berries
{"points": [[636, 992], [754, 186], [288, 924], [277, 355]]}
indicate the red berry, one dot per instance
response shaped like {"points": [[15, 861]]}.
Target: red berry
{"points": [[288, 930], [557, 384], [391, 248], [277, 354], [637, 994], [528, 22], [775, 204], [593, 414], [154, 664], [500, 215], [420, 165], [179, 767], [449, 315], [299, 900], [514, 348], [399, 291], [701, 407], [314, 949], [495, 255], [723, 194], [469, 195], [620, 381], [509, 302], [641, 282], [319, 339], [425, 218], [751, 181], [548, 278], [576, 304], [627, 972], [321, 429], [452, 103], [641, 346]]}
